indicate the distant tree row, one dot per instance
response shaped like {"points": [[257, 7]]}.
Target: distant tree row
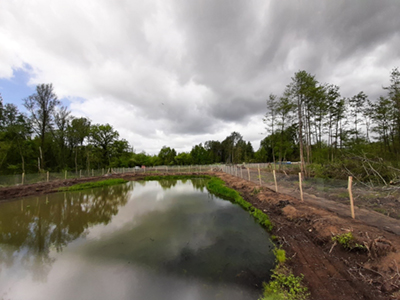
{"points": [[51, 139], [233, 149]]}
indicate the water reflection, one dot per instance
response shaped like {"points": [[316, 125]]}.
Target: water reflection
{"points": [[31, 227], [153, 240]]}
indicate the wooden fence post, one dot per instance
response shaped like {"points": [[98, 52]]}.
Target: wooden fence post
{"points": [[276, 184], [47, 176], [65, 177], [351, 196], [241, 172], [248, 172], [259, 175], [301, 187], [23, 178]]}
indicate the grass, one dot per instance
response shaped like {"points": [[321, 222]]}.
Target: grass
{"points": [[89, 185], [381, 210], [217, 186]]}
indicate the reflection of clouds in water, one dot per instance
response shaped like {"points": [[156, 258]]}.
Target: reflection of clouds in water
{"points": [[145, 230], [160, 196], [143, 198], [122, 280]]}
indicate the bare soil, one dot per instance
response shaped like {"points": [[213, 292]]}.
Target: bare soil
{"points": [[305, 230]]}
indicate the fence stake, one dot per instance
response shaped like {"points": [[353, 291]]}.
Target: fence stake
{"points": [[301, 188], [276, 184], [259, 175], [241, 172], [47, 176], [65, 177], [23, 178], [248, 172], [351, 196]]}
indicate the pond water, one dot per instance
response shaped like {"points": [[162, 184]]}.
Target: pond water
{"points": [[141, 240]]}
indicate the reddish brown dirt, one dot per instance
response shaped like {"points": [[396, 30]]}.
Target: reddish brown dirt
{"points": [[305, 231]]}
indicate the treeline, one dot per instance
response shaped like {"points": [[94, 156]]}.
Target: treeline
{"points": [[311, 122], [233, 149], [51, 139], [333, 136]]}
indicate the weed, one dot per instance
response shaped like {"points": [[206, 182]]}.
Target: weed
{"points": [[348, 241], [344, 239], [256, 191], [89, 185], [284, 285], [280, 255]]}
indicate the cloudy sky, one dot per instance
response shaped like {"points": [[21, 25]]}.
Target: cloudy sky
{"points": [[177, 73]]}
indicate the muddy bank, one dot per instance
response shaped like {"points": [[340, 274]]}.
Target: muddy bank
{"points": [[305, 232]]}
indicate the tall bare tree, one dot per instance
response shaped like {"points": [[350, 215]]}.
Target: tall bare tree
{"points": [[42, 105]]}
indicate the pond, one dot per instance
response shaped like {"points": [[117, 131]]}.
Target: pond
{"points": [[163, 239]]}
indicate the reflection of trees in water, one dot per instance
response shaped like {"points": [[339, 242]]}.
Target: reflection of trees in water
{"points": [[166, 184], [35, 227], [198, 183]]}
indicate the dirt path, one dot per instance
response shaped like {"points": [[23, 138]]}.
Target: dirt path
{"points": [[305, 231], [368, 216]]}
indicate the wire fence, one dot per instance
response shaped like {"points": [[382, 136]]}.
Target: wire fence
{"points": [[282, 178], [23, 179], [285, 179]]}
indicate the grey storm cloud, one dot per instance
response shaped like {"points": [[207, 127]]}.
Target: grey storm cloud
{"points": [[235, 42], [163, 69]]}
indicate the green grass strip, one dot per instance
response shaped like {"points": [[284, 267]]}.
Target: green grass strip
{"points": [[95, 184], [175, 177], [217, 186]]}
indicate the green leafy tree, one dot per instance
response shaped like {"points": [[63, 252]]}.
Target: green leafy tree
{"points": [[183, 158], [167, 155], [103, 138]]}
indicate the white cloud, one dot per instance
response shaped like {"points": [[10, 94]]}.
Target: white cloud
{"points": [[178, 73]]}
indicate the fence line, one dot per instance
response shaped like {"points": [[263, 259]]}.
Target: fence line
{"points": [[341, 191], [23, 179], [284, 177]]}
